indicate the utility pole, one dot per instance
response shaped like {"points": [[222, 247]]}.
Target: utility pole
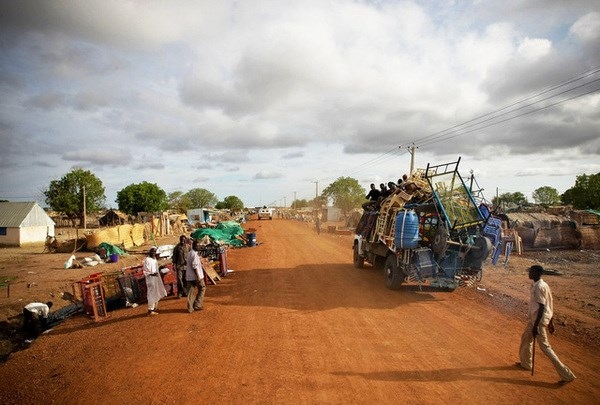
{"points": [[84, 209], [316, 191], [294, 203], [411, 150]]}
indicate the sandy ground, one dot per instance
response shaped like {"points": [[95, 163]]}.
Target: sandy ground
{"points": [[296, 323]]}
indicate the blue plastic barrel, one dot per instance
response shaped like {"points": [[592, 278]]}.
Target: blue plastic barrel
{"points": [[406, 234], [251, 239]]}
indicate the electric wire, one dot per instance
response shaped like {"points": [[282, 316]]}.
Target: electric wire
{"points": [[510, 118], [477, 123], [581, 76]]}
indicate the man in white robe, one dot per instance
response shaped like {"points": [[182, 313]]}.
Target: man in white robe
{"points": [[154, 284]]}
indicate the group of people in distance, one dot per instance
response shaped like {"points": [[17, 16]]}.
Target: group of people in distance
{"points": [[190, 276], [377, 195]]}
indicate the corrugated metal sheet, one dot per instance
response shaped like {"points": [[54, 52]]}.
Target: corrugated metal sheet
{"points": [[23, 214]]}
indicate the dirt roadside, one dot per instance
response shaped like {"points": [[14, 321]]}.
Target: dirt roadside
{"points": [[296, 322]]}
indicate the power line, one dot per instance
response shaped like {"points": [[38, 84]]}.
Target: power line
{"points": [[477, 123], [391, 154], [581, 76], [511, 118], [518, 109]]}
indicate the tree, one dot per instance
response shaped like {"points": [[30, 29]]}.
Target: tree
{"points": [[143, 197], [507, 200], [346, 194], [201, 197], [66, 195], [232, 203], [546, 196], [584, 194], [179, 202]]}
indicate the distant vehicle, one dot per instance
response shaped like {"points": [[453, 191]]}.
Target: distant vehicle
{"points": [[265, 213], [430, 230]]}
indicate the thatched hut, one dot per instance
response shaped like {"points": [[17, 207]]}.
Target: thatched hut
{"points": [[588, 222], [113, 218], [544, 231]]}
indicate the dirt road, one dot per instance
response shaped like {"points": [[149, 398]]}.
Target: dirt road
{"points": [[296, 323]]}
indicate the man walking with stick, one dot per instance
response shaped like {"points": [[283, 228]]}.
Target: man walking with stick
{"points": [[539, 324]]}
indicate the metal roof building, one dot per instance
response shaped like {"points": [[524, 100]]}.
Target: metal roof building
{"points": [[24, 223]]}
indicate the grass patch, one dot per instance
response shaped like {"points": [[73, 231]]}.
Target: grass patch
{"points": [[5, 280]]}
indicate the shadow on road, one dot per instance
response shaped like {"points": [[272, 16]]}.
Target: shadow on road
{"points": [[455, 374], [315, 287]]}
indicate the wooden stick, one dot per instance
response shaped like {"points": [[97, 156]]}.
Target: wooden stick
{"points": [[533, 355]]}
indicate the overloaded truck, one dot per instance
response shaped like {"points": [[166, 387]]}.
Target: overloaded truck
{"points": [[429, 230]]}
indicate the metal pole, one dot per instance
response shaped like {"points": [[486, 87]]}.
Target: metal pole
{"points": [[84, 209]]}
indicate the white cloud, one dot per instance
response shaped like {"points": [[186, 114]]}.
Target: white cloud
{"points": [[533, 49], [587, 28], [262, 175]]}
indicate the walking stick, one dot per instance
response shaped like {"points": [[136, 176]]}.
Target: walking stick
{"points": [[533, 356]]}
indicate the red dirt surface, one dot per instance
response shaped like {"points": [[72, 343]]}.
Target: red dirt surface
{"points": [[296, 323]]}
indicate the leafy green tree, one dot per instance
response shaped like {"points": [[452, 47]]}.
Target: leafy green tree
{"points": [[66, 195], [143, 197], [509, 200], [546, 196], [346, 194], [233, 203], [179, 202], [584, 194], [201, 198]]}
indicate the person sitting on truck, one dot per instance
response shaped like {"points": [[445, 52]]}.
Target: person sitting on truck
{"points": [[391, 188], [373, 196]]}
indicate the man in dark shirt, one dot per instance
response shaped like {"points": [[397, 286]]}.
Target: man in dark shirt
{"points": [[373, 193], [179, 260], [373, 196]]}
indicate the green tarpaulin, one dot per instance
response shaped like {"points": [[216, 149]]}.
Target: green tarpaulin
{"points": [[225, 232], [111, 249]]}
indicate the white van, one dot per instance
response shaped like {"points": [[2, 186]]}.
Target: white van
{"points": [[265, 213]]}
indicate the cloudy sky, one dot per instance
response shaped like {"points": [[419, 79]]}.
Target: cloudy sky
{"points": [[271, 100]]}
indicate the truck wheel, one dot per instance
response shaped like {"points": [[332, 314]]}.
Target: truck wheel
{"points": [[359, 261], [484, 247], [393, 274]]}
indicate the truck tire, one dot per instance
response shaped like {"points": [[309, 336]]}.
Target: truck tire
{"points": [[359, 261], [484, 247], [393, 274]]}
